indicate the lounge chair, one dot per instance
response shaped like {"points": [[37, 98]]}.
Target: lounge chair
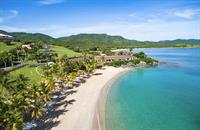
{"points": [[29, 126]]}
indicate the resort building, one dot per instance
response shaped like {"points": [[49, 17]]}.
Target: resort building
{"points": [[120, 50], [114, 57], [79, 58], [26, 46], [104, 58], [4, 37]]}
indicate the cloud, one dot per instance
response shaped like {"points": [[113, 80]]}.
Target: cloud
{"points": [[12, 29], [50, 2], [155, 31], [132, 15], [163, 25], [7, 14], [187, 13], [145, 31]]}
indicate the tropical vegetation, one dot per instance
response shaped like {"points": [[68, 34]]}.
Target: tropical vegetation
{"points": [[26, 90], [22, 101], [44, 67], [138, 58], [6, 47], [39, 53]]}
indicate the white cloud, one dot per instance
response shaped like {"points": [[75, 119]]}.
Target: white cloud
{"points": [[14, 12], [160, 26], [132, 15], [50, 2], [146, 31], [187, 13], [12, 29], [7, 14]]}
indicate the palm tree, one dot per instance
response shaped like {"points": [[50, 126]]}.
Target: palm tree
{"points": [[18, 50], [52, 56], [45, 89], [4, 58], [80, 72], [37, 108], [10, 116], [93, 63], [6, 83], [37, 102], [15, 120], [90, 64], [21, 82], [10, 58]]}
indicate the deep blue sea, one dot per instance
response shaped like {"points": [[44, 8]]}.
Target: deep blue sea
{"points": [[166, 97]]}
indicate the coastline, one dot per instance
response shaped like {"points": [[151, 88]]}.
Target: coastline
{"points": [[100, 111], [165, 47], [82, 113]]}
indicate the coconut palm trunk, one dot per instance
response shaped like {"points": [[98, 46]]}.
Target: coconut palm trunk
{"points": [[5, 64]]}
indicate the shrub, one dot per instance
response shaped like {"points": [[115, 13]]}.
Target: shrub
{"points": [[118, 63], [140, 55], [135, 61]]}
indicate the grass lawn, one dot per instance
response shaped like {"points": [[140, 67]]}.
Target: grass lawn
{"points": [[33, 73], [64, 51], [4, 47], [30, 62]]}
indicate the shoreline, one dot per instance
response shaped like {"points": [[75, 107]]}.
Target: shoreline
{"points": [[80, 115], [164, 47], [99, 122]]}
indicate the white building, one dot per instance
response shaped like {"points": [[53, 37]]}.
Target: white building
{"points": [[6, 37]]}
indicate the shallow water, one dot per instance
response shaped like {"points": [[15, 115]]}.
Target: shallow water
{"points": [[166, 97]]}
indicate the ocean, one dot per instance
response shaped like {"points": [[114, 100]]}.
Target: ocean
{"points": [[165, 97]]}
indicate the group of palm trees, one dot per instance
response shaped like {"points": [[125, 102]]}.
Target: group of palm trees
{"points": [[18, 54], [22, 101], [38, 52]]}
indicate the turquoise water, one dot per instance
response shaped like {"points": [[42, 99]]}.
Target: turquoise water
{"points": [[166, 97]]}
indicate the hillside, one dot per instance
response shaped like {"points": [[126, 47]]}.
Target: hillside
{"points": [[85, 41], [103, 41], [4, 47], [30, 37], [61, 51], [95, 40], [182, 41]]}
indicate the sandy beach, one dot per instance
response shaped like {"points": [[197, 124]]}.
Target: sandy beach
{"points": [[83, 113]]}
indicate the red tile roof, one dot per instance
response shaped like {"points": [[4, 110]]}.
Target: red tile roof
{"points": [[114, 57]]}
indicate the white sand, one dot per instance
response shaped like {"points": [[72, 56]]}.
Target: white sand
{"points": [[81, 113]]}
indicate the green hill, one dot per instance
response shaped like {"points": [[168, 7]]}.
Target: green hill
{"points": [[4, 47], [182, 41], [85, 41], [102, 41], [30, 37], [61, 51], [95, 40]]}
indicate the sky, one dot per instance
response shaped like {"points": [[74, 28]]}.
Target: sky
{"points": [[144, 20]]}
